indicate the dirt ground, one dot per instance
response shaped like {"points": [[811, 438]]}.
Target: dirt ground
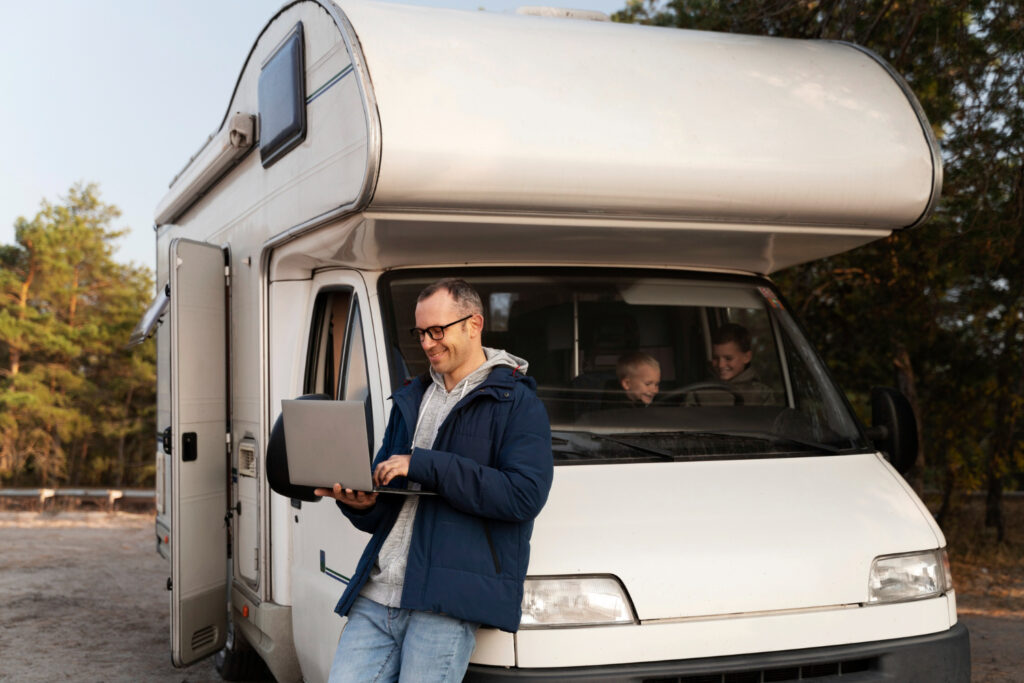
{"points": [[991, 602], [83, 598]]}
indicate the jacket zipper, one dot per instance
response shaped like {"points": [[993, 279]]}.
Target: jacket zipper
{"points": [[490, 544]]}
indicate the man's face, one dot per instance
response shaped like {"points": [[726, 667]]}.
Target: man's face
{"points": [[727, 360], [642, 383], [460, 342]]}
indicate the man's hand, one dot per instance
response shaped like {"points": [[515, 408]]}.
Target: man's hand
{"points": [[395, 466], [360, 500]]}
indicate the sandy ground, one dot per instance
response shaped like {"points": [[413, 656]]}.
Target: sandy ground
{"points": [[83, 598]]}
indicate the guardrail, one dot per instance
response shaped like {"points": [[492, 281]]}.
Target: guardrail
{"points": [[77, 498]]}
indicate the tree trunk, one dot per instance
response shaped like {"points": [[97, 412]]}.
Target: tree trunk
{"points": [[15, 353], [994, 472], [906, 383], [948, 486], [121, 438], [72, 465], [81, 460]]}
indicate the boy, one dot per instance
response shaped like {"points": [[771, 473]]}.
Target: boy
{"points": [[639, 375]]}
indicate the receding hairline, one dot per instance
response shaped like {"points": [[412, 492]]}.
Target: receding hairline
{"points": [[464, 295]]}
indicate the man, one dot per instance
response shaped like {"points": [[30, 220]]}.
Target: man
{"points": [[472, 430]]}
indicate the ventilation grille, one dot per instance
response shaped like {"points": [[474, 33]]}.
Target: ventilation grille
{"points": [[246, 461], [804, 672], [203, 637]]}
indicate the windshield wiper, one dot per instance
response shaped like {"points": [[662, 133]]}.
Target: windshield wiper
{"points": [[772, 436], [622, 442], [562, 442]]}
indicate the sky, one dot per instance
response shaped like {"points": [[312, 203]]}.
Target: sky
{"points": [[123, 92]]}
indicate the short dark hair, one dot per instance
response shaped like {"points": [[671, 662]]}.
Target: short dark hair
{"points": [[466, 298], [732, 332]]}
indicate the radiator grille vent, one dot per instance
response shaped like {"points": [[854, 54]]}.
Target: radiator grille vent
{"points": [[805, 672], [203, 637]]}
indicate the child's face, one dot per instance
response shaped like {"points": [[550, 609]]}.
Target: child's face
{"points": [[727, 360], [642, 384]]}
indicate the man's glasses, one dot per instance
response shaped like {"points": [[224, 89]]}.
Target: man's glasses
{"points": [[437, 331]]}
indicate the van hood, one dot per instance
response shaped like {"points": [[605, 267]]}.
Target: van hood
{"points": [[692, 539]]}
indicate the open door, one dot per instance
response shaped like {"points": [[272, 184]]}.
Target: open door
{"points": [[199, 409]]}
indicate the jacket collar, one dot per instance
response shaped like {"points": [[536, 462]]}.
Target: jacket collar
{"points": [[499, 385]]}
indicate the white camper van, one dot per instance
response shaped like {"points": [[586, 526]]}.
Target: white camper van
{"points": [[609, 189]]}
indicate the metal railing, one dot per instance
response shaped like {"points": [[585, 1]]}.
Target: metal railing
{"points": [[76, 497]]}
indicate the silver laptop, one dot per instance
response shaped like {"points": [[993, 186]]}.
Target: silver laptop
{"points": [[326, 442]]}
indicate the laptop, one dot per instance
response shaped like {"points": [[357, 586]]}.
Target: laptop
{"points": [[326, 443]]}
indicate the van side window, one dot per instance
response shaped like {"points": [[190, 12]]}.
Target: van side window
{"points": [[336, 360], [326, 342], [282, 99], [355, 380], [355, 383]]}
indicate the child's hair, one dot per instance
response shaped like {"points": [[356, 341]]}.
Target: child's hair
{"points": [[731, 332], [629, 362]]}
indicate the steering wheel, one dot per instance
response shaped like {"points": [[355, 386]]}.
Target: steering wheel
{"points": [[678, 395]]}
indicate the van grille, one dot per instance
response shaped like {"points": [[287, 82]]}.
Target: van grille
{"points": [[203, 637], [804, 672]]}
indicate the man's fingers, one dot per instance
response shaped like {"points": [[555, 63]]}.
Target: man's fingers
{"points": [[332, 492], [357, 499]]}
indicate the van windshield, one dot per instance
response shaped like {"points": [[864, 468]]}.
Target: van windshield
{"points": [[641, 368]]}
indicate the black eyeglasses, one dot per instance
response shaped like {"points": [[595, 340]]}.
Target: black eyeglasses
{"points": [[437, 331]]}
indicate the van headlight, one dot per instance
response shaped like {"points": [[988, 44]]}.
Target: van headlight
{"points": [[555, 601], [909, 576]]}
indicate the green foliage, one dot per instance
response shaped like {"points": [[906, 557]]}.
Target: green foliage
{"points": [[75, 407], [938, 310]]}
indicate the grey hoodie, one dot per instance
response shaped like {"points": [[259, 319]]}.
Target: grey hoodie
{"points": [[388, 574]]}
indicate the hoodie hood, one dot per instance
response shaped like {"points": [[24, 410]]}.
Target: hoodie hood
{"points": [[495, 358]]}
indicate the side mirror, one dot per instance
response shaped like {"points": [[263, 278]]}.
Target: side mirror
{"points": [[893, 427]]}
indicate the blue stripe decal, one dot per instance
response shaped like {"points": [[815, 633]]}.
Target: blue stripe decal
{"points": [[337, 576], [329, 84]]}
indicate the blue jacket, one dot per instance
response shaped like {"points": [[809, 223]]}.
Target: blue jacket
{"points": [[492, 466]]}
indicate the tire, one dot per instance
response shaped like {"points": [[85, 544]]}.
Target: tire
{"points": [[238, 661]]}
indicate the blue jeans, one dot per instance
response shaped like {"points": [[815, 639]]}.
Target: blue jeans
{"points": [[392, 644]]}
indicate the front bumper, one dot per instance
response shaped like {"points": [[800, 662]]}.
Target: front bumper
{"points": [[934, 658]]}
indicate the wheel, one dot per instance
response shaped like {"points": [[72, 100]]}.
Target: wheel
{"points": [[677, 397], [237, 661]]}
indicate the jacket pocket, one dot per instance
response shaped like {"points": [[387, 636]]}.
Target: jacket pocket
{"points": [[466, 546], [490, 545]]}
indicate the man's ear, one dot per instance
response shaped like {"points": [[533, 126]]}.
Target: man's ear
{"points": [[476, 324]]}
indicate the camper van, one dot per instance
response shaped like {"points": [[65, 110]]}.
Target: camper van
{"points": [[609, 189]]}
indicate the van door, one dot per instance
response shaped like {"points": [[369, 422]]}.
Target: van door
{"points": [[199, 409], [342, 362]]}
